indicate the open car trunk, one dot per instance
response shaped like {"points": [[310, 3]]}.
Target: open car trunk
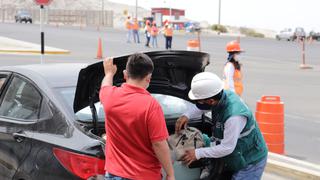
{"points": [[173, 72]]}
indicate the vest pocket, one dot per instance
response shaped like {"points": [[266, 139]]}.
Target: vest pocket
{"points": [[235, 162]]}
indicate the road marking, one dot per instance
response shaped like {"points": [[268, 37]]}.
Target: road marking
{"points": [[310, 119], [13, 46]]}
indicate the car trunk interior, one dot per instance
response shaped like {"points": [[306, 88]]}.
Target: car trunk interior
{"points": [[172, 76], [204, 124]]}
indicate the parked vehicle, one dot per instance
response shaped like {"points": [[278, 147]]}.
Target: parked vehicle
{"points": [[23, 16], [314, 35], [299, 33], [290, 35], [52, 123], [192, 26], [286, 34]]}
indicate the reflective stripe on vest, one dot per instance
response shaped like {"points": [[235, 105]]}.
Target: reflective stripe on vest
{"points": [[244, 134], [154, 31], [168, 32], [128, 25], [135, 26], [237, 80]]}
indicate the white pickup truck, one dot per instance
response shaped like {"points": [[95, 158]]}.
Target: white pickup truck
{"points": [[291, 35]]}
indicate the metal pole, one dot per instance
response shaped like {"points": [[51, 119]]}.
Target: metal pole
{"points": [[219, 16], [304, 65], [303, 52], [136, 9], [102, 13], [199, 40], [170, 12], [42, 34], [2, 10]]}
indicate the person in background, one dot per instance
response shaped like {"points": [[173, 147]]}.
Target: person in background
{"points": [[135, 30], [232, 75], [168, 33], [154, 34], [136, 131], [147, 31], [128, 25]]}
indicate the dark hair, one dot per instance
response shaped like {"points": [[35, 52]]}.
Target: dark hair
{"points": [[139, 65], [235, 63]]}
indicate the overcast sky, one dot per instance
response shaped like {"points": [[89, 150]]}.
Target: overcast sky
{"points": [[268, 14]]}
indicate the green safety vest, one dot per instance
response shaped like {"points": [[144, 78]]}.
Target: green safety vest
{"points": [[251, 147]]}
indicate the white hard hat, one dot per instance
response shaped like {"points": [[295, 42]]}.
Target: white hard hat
{"points": [[205, 85]]}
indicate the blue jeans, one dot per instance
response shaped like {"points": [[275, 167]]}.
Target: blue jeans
{"points": [[109, 176], [154, 41], [148, 40], [129, 34], [168, 42], [252, 172], [136, 36]]}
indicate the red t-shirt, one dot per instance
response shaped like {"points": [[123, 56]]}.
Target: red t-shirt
{"points": [[134, 119]]}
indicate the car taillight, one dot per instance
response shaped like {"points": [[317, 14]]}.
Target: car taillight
{"points": [[81, 165]]}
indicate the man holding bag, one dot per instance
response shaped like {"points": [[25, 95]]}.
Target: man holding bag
{"points": [[238, 142]]}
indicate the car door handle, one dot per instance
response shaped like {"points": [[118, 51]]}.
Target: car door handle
{"points": [[19, 136]]}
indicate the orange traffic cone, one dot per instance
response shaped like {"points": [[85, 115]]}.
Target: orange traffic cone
{"points": [[193, 45], [270, 118], [99, 52]]}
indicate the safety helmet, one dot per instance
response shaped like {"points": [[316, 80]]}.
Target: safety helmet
{"points": [[205, 85], [233, 46]]}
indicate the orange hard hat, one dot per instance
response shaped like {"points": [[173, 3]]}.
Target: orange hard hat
{"points": [[233, 46]]}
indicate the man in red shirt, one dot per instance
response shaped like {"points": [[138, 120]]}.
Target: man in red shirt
{"points": [[136, 145]]}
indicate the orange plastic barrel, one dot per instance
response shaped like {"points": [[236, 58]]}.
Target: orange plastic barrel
{"points": [[270, 118], [193, 45]]}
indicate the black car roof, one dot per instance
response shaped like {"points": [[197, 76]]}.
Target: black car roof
{"points": [[56, 75]]}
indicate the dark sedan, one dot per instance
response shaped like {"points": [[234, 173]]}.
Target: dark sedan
{"points": [[23, 16], [51, 121], [39, 137]]}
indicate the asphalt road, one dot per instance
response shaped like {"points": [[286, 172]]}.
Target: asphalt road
{"points": [[270, 67]]}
